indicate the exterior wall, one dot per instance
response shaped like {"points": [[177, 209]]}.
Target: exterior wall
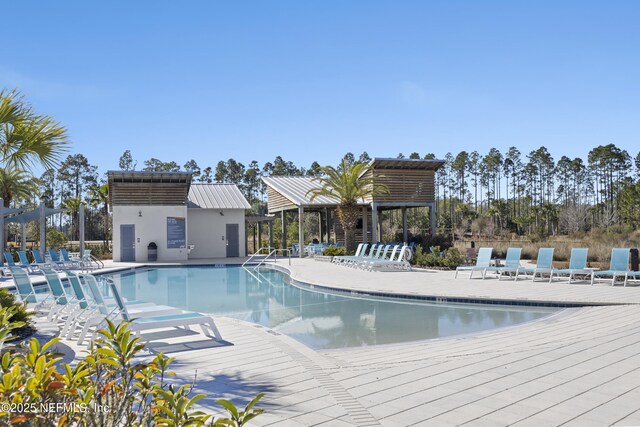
{"points": [[150, 227], [207, 228], [276, 202], [405, 186]]}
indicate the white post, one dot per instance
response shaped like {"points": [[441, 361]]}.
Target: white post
{"points": [[301, 230], [433, 220], [405, 231], [374, 222], [364, 224], [81, 229], [43, 229], [1, 224]]}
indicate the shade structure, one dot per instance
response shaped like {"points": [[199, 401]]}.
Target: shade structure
{"points": [[33, 215], [29, 216]]}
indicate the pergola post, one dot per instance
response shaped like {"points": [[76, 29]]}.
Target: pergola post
{"points": [[405, 231], [260, 235], [301, 230], [432, 219], [326, 224], [374, 222], [43, 229], [23, 243], [81, 220], [364, 224], [283, 215], [271, 235], [2, 224]]}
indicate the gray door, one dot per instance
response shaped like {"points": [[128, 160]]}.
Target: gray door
{"points": [[127, 242], [233, 240]]}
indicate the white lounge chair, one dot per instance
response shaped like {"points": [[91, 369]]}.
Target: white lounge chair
{"points": [[184, 319]]}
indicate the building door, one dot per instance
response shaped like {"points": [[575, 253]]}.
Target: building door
{"points": [[127, 242], [233, 241]]}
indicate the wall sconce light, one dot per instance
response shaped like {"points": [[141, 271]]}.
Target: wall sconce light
{"points": [[140, 214], [221, 213]]}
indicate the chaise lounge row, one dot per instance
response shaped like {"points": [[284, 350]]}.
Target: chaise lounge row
{"points": [[380, 257], [577, 270]]}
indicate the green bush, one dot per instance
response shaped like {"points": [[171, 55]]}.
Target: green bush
{"points": [[19, 313], [55, 239], [450, 258], [111, 386], [333, 251]]}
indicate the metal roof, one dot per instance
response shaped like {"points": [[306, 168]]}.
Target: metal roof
{"points": [[295, 188], [421, 164], [216, 196]]}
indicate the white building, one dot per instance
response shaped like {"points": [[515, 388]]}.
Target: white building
{"points": [[184, 220]]}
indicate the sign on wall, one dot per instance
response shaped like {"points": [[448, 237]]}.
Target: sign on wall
{"points": [[176, 232]]}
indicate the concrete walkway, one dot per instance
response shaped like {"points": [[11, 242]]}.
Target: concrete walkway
{"points": [[581, 367]]}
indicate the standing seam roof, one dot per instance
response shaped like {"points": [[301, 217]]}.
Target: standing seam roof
{"points": [[216, 196]]}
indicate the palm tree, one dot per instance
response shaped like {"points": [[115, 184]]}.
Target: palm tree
{"points": [[349, 184], [99, 195], [15, 184], [73, 206], [27, 138]]}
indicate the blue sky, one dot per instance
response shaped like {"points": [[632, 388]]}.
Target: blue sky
{"points": [[313, 80]]}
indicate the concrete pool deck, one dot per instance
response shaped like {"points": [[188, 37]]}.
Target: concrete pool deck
{"points": [[580, 367]]}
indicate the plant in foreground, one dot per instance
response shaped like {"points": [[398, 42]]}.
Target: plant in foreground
{"points": [[111, 386]]}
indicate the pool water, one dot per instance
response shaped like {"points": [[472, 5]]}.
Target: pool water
{"points": [[318, 319]]}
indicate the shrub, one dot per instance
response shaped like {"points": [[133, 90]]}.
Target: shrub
{"points": [[450, 258], [333, 251], [19, 312], [56, 239], [110, 386]]}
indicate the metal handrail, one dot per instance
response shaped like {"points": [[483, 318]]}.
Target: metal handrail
{"points": [[268, 248], [273, 252], [275, 258]]}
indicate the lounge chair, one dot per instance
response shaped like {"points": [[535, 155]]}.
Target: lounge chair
{"points": [[577, 266], [483, 261], [37, 258], [68, 261], [400, 263], [55, 259], [618, 267], [544, 265], [27, 293], [510, 267], [97, 307], [380, 256], [184, 319], [24, 262], [360, 250], [359, 263], [8, 257]]}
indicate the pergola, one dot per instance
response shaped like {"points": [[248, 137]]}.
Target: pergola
{"points": [[411, 183], [23, 217]]}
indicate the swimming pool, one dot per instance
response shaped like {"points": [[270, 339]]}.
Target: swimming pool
{"points": [[320, 320]]}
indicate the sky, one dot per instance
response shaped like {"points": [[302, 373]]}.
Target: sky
{"points": [[310, 81]]}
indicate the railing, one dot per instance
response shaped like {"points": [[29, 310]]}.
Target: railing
{"points": [[270, 253]]}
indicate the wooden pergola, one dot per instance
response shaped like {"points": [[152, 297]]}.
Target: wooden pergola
{"points": [[411, 183]]}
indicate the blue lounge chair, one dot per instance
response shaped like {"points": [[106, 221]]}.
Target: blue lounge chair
{"points": [[577, 266], [26, 291], [618, 267], [483, 261], [24, 262], [37, 258], [8, 257], [510, 267], [544, 265]]}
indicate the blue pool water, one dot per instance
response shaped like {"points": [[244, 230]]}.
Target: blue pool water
{"points": [[319, 320]]}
